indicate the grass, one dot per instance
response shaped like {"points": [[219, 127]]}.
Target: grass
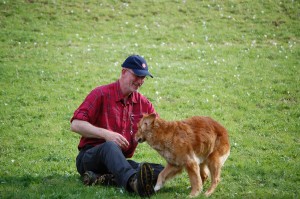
{"points": [[236, 61]]}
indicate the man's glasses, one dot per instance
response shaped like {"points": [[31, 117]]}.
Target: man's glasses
{"points": [[136, 76]]}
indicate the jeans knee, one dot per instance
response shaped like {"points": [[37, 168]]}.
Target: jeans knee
{"points": [[110, 145]]}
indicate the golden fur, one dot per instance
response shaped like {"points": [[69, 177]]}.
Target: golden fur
{"points": [[195, 144]]}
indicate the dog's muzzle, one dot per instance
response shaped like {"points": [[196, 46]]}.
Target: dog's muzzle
{"points": [[140, 140]]}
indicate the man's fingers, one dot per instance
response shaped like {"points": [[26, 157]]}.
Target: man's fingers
{"points": [[126, 142], [122, 142]]}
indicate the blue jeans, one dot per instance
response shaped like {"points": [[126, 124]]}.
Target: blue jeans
{"points": [[108, 158]]}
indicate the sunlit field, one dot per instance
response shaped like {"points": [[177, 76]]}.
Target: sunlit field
{"points": [[236, 61]]}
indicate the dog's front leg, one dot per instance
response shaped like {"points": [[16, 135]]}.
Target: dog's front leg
{"points": [[167, 173], [159, 182], [161, 178]]}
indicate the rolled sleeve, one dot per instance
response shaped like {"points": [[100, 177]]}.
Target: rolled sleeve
{"points": [[88, 110]]}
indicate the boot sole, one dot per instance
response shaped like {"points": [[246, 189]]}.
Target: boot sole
{"points": [[145, 179]]}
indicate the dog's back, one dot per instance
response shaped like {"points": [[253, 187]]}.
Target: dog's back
{"points": [[207, 136]]}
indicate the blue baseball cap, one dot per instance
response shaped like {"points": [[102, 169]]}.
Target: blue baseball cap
{"points": [[137, 64]]}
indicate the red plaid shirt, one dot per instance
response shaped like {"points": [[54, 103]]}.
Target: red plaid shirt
{"points": [[104, 107]]}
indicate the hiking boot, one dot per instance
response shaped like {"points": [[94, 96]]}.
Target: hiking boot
{"points": [[90, 178], [142, 182], [106, 179]]}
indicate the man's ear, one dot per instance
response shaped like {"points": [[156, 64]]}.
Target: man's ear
{"points": [[123, 71]]}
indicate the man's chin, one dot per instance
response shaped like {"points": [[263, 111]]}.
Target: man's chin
{"points": [[135, 88]]}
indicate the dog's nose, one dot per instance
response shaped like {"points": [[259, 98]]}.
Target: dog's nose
{"points": [[140, 140]]}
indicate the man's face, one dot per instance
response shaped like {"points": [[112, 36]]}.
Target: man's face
{"points": [[134, 81]]}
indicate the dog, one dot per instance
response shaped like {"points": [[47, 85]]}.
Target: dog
{"points": [[199, 144]]}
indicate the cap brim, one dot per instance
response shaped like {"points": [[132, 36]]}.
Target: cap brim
{"points": [[141, 72]]}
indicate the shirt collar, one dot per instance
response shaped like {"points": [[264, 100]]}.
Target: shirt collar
{"points": [[119, 95]]}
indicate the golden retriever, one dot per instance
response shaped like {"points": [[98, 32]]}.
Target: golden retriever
{"points": [[198, 144]]}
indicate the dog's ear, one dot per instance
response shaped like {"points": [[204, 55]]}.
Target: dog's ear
{"points": [[149, 119], [152, 116]]}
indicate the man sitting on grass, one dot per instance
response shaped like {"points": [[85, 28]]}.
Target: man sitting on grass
{"points": [[107, 121]]}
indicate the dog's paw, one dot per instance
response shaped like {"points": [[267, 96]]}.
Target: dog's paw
{"points": [[157, 187], [208, 193], [192, 196]]}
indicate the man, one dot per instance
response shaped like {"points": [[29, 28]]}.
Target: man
{"points": [[107, 121]]}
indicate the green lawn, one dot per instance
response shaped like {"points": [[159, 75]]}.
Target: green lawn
{"points": [[237, 61]]}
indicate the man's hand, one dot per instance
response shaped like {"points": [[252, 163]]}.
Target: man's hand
{"points": [[118, 139]]}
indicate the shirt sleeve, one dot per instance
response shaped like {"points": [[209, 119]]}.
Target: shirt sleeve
{"points": [[89, 108], [151, 108]]}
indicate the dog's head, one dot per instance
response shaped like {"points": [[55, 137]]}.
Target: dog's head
{"points": [[144, 127]]}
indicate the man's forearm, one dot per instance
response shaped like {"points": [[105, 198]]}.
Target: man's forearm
{"points": [[86, 129]]}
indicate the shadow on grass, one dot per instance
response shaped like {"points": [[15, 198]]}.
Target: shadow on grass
{"points": [[54, 186], [70, 186], [28, 180]]}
